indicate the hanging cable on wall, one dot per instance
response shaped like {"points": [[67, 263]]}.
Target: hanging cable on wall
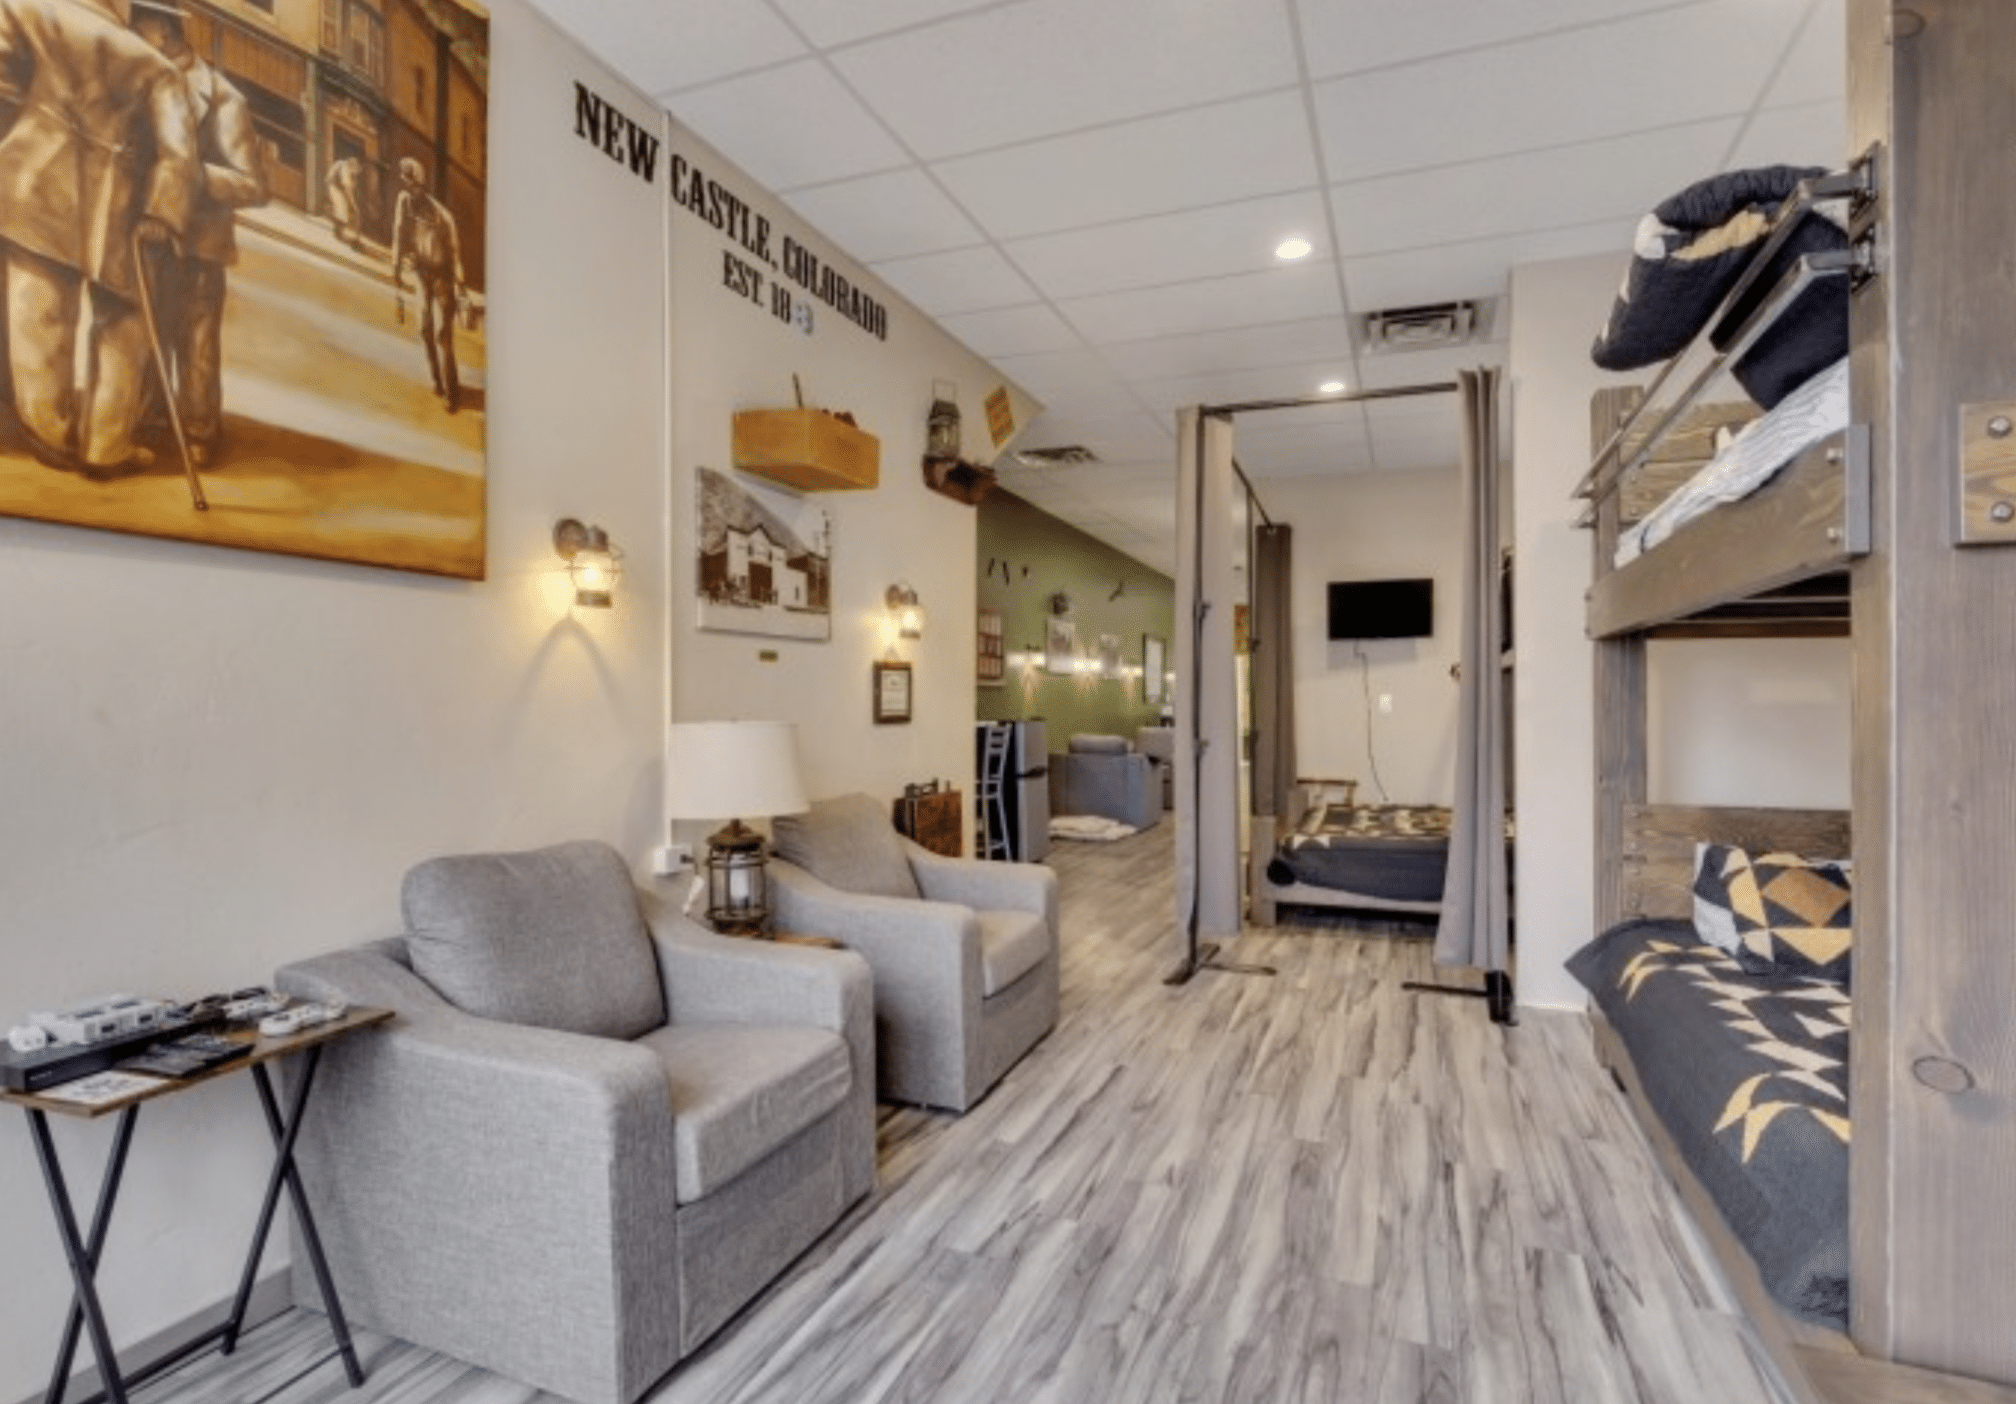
{"points": [[1371, 757]]}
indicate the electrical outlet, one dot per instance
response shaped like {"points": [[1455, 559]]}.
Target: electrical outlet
{"points": [[1386, 702], [671, 859]]}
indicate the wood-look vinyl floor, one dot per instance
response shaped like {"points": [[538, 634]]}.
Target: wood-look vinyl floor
{"points": [[1313, 1188]]}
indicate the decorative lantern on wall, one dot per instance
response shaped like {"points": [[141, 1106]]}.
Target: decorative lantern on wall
{"points": [[942, 438]]}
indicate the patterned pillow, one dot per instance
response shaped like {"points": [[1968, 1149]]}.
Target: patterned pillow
{"points": [[1776, 913]]}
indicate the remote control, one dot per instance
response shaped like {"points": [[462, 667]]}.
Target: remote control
{"points": [[301, 1016], [254, 1007]]}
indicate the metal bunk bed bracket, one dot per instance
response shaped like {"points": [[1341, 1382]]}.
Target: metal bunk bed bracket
{"points": [[1987, 479], [1857, 490]]}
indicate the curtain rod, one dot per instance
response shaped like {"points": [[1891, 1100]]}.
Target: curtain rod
{"points": [[1398, 392]]}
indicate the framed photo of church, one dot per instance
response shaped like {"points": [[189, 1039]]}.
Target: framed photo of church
{"points": [[268, 333]]}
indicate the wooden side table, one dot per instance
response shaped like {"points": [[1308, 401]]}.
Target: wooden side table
{"points": [[793, 938], [85, 1250]]}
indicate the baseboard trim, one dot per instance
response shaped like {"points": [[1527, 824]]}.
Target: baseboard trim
{"points": [[271, 1295]]}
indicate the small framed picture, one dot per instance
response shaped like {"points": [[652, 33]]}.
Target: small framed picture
{"points": [[892, 693]]}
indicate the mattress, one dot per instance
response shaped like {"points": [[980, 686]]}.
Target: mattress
{"points": [[1749, 1076]]}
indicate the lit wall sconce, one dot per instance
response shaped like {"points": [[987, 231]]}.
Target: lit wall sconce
{"points": [[592, 563], [906, 615]]}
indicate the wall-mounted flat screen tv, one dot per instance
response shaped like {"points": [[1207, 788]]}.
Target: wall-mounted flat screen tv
{"points": [[1382, 609]]}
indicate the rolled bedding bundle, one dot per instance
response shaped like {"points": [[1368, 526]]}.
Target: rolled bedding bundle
{"points": [[1687, 256]]}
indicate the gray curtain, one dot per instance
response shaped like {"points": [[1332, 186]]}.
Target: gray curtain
{"points": [[1475, 900], [1207, 700], [1274, 791]]}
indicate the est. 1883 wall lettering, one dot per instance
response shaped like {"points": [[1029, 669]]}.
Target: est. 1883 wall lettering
{"points": [[783, 277]]}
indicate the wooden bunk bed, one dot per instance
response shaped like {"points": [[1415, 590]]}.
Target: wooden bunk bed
{"points": [[1897, 531]]}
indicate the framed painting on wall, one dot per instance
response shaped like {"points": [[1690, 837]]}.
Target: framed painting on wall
{"points": [[293, 360], [1151, 668], [1109, 657], [1060, 645], [765, 560]]}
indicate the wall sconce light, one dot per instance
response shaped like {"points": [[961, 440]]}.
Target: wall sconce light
{"points": [[592, 563], [906, 615]]}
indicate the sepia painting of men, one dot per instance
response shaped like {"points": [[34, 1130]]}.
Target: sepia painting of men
{"points": [[204, 333], [190, 287], [100, 162]]}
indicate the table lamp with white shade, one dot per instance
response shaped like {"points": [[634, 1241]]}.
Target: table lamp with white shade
{"points": [[734, 770]]}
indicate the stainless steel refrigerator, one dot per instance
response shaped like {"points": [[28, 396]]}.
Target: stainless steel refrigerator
{"points": [[1023, 816]]}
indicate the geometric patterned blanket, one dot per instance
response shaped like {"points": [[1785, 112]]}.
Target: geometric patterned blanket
{"points": [[1749, 1074]]}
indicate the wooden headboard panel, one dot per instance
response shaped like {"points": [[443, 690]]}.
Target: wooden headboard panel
{"points": [[1659, 844]]}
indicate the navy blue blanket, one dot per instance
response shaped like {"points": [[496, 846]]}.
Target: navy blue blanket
{"points": [[1749, 1076]]}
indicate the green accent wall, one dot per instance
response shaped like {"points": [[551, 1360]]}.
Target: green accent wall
{"points": [[1026, 556]]}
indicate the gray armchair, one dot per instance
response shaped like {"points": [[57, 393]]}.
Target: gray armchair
{"points": [[1106, 776], [1158, 743], [594, 1132], [964, 953]]}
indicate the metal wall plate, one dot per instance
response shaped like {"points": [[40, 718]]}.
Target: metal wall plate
{"points": [[1988, 473]]}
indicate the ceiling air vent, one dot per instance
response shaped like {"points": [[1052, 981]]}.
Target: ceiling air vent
{"points": [[1062, 456], [1421, 328]]}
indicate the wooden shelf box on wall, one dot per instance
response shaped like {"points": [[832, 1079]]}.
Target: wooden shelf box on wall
{"points": [[806, 449]]}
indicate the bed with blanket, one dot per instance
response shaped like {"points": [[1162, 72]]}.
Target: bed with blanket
{"points": [[1747, 1075], [1375, 857]]}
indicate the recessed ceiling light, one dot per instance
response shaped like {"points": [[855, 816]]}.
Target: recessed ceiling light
{"points": [[1288, 250], [1330, 387]]}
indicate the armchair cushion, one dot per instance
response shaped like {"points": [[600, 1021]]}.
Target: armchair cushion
{"points": [[1011, 945], [740, 1091], [849, 843], [551, 938]]}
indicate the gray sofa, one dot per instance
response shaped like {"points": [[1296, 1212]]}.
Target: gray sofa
{"points": [[1105, 775], [964, 953], [594, 1132]]}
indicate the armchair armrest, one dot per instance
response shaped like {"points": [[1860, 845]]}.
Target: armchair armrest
{"points": [[710, 978], [994, 887]]}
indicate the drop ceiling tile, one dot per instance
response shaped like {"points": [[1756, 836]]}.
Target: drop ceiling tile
{"points": [[1814, 134], [1619, 177], [959, 280], [1235, 386], [1351, 38], [1283, 294], [1713, 61], [1011, 331], [1134, 436], [1250, 147], [893, 215], [1313, 340], [1479, 268], [1199, 243], [829, 23], [1817, 66], [716, 38], [1014, 73], [1066, 381], [830, 135], [1284, 444]]}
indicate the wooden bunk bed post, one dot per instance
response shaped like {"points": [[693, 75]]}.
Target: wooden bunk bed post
{"points": [[1934, 1060], [1619, 673]]}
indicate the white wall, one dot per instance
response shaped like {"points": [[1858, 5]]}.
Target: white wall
{"points": [[1365, 526], [728, 355], [1732, 723]]}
